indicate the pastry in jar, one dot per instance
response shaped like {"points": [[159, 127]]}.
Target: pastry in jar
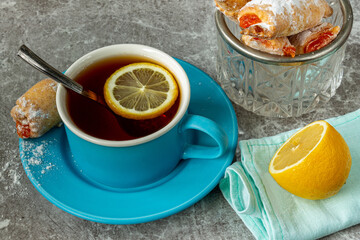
{"points": [[278, 46], [315, 38], [275, 18], [230, 8]]}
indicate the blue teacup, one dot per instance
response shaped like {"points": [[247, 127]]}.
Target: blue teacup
{"points": [[142, 162]]}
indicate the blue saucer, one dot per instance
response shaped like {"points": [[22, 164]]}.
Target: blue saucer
{"points": [[47, 163]]}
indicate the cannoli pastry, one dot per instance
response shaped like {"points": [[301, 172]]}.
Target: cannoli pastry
{"points": [[35, 112], [281, 18], [279, 46], [315, 38], [230, 8]]}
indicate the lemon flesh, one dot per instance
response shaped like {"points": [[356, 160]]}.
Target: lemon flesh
{"points": [[298, 147], [314, 163], [141, 91]]}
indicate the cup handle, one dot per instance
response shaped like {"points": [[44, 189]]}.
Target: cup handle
{"points": [[212, 129]]}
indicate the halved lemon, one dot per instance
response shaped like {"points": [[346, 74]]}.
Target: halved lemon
{"points": [[141, 91], [314, 163]]}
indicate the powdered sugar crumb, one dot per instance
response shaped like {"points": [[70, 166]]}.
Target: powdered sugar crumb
{"points": [[27, 114], [9, 171], [34, 161], [36, 156], [47, 167], [38, 152], [4, 223], [16, 177]]}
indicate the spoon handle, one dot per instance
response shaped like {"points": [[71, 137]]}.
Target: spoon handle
{"points": [[35, 61]]}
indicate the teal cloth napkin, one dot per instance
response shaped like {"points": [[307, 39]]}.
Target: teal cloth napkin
{"points": [[270, 212]]}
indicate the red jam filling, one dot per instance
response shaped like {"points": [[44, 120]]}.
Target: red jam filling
{"points": [[289, 51], [265, 42], [249, 19], [321, 41], [23, 130]]}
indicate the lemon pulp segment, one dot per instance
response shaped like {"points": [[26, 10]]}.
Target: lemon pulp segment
{"points": [[298, 146]]}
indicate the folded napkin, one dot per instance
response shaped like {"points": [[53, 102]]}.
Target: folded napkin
{"points": [[270, 212]]}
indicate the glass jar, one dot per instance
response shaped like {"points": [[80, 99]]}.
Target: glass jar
{"points": [[276, 86]]}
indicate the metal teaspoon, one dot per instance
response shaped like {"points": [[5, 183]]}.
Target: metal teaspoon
{"points": [[35, 61]]}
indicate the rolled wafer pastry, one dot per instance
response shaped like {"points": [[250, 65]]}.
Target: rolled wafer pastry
{"points": [[230, 8], [35, 112], [315, 38], [279, 46], [281, 18]]}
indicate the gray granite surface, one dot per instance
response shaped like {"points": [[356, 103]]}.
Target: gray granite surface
{"points": [[63, 30]]}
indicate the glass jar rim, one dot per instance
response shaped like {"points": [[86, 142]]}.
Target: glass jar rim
{"points": [[267, 58]]}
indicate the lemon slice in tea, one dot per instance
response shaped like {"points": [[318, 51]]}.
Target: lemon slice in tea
{"points": [[141, 91]]}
